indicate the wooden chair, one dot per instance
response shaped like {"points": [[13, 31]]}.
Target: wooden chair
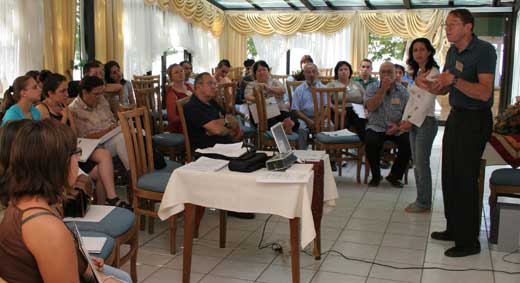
{"points": [[290, 88], [325, 72], [180, 110], [265, 138], [281, 78], [326, 79], [148, 184], [503, 182], [236, 73], [329, 116], [226, 96], [148, 95]]}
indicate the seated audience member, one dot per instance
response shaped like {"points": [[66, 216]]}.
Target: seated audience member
{"points": [[206, 121], [248, 77], [93, 118], [355, 93], [302, 102], [271, 88], [188, 70], [111, 91], [222, 70], [113, 75], [33, 74], [385, 102], [400, 75], [299, 75], [365, 73], [35, 244], [178, 89], [19, 100], [99, 166]]}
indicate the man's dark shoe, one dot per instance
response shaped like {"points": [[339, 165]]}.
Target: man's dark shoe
{"points": [[241, 215], [441, 236], [333, 166], [463, 251], [375, 181], [394, 181]]}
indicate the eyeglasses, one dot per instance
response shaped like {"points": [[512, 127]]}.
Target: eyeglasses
{"points": [[78, 151]]}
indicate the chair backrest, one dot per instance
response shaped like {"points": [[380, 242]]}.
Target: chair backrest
{"points": [[326, 79], [180, 110], [281, 78], [226, 96], [236, 73], [290, 88], [135, 125], [329, 108], [325, 72], [150, 98], [260, 108]]}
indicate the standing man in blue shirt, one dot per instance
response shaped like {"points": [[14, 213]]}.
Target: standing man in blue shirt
{"points": [[468, 76], [385, 102]]}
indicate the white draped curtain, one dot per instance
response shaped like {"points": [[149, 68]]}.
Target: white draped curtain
{"points": [[325, 49], [515, 90], [150, 31], [21, 39]]}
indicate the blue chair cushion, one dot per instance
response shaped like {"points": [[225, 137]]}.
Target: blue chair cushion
{"points": [[170, 166], [505, 177], [115, 224], [107, 248], [154, 181], [292, 137], [326, 139], [168, 139]]}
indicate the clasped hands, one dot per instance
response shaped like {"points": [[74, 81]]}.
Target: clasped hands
{"points": [[394, 128]]}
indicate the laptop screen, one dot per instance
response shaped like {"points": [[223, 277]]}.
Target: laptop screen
{"points": [[280, 138]]}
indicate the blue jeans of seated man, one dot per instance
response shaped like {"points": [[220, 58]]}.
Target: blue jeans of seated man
{"points": [[421, 141], [117, 273]]}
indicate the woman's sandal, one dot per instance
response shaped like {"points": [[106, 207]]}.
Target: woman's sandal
{"points": [[119, 203]]}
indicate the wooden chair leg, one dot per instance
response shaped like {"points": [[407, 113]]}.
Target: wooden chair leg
{"points": [[223, 227], [151, 220], [173, 234], [295, 249]]}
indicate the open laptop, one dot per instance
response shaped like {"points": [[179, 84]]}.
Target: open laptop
{"points": [[285, 158], [282, 142]]}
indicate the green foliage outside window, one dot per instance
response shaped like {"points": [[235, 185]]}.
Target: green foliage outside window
{"points": [[385, 47]]}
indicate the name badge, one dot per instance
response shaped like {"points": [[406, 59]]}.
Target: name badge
{"points": [[459, 66], [395, 101]]}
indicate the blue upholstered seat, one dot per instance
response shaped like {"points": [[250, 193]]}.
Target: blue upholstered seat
{"points": [[115, 224], [168, 139], [156, 181], [327, 139], [291, 137], [170, 166], [505, 177], [107, 248]]}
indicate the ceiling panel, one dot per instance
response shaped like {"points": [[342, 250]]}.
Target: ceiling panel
{"points": [[430, 2], [348, 3], [271, 3], [472, 2], [235, 4], [387, 2]]}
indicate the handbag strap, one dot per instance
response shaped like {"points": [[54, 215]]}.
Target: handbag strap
{"points": [[45, 212]]}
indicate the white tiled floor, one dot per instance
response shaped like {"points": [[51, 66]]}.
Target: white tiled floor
{"points": [[367, 224]]}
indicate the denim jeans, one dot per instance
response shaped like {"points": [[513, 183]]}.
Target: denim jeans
{"points": [[117, 273], [421, 140]]}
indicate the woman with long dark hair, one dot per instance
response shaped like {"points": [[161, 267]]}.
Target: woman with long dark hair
{"points": [[113, 75], [420, 121]]}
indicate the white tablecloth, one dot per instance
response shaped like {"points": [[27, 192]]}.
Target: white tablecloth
{"points": [[240, 192], [492, 157]]}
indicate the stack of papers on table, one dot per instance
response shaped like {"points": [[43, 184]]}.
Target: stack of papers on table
{"points": [[95, 213], [205, 164], [309, 155], [229, 150], [283, 177], [94, 244], [340, 133]]}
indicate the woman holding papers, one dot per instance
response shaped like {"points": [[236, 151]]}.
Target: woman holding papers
{"points": [[35, 244], [273, 91], [99, 166], [419, 120], [355, 93]]}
